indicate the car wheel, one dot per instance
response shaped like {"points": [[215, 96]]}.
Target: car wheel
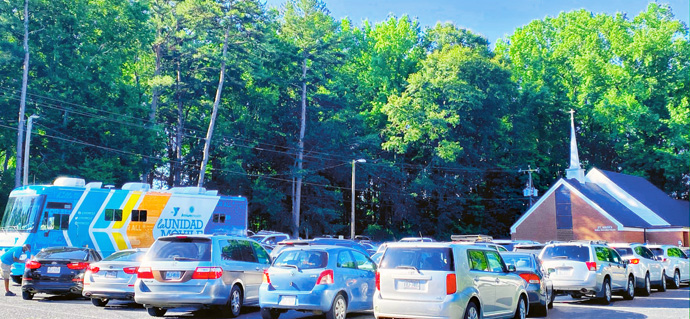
{"points": [[234, 305], [99, 302], [471, 312], [629, 293], [606, 289], [521, 310], [662, 285], [338, 308], [647, 288], [156, 311], [268, 313], [539, 310], [27, 295], [553, 297], [17, 279], [675, 284]]}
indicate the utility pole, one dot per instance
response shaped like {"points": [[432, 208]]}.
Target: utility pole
{"points": [[26, 148], [529, 190], [22, 101]]}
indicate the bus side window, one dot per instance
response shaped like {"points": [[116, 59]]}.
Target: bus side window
{"points": [[138, 215]]}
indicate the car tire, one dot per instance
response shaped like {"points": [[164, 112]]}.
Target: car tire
{"points": [[27, 295], [234, 305], [338, 308], [471, 312], [521, 309], [553, 297], [629, 293], [268, 313], [647, 288], [606, 291], [662, 284], [539, 310], [675, 284], [99, 302], [17, 279], [156, 311]]}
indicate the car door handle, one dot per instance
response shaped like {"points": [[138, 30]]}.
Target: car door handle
{"points": [[257, 268], [498, 280], [476, 279]]}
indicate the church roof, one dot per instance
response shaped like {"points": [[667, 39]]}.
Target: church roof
{"points": [[610, 204]]}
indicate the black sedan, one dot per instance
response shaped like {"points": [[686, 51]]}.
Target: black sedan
{"points": [[539, 286], [57, 271]]}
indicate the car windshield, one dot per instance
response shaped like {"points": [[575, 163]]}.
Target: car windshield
{"points": [[127, 255], [303, 259], [521, 262], [657, 251], [63, 254], [420, 258], [180, 248], [624, 251], [20, 213], [569, 252]]}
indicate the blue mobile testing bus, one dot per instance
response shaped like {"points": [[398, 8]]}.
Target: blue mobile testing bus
{"points": [[72, 213]]}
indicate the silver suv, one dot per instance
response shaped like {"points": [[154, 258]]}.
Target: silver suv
{"points": [[588, 269], [647, 270], [201, 271], [447, 280], [675, 261]]}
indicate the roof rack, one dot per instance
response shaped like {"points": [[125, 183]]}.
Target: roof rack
{"points": [[591, 242], [472, 238]]}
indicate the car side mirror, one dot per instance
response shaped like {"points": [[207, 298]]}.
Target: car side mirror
{"points": [[511, 268]]}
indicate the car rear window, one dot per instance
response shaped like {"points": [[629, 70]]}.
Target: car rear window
{"points": [[569, 252], [180, 249], [126, 256], [303, 259], [63, 254], [624, 251], [521, 262], [421, 258], [657, 251]]}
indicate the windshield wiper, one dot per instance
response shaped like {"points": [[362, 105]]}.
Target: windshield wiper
{"points": [[183, 258], [290, 266], [559, 257], [408, 267]]}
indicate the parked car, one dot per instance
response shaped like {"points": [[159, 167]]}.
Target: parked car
{"points": [[482, 240], [269, 239], [113, 277], [647, 270], [317, 241], [675, 261], [447, 280], [539, 286], [57, 271], [509, 244], [588, 268], [333, 280], [201, 271]]}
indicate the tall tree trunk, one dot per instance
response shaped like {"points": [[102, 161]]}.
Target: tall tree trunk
{"points": [[180, 129], [22, 101], [300, 156], [156, 91], [209, 134]]}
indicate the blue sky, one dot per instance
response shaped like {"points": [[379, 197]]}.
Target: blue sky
{"points": [[492, 18]]}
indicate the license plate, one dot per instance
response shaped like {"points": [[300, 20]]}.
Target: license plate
{"points": [[410, 284], [173, 275], [288, 301], [53, 270], [111, 274]]}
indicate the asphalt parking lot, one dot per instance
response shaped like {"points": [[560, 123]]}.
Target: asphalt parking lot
{"points": [[674, 303]]}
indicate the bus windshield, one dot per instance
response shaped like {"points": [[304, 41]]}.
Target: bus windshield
{"points": [[20, 213]]}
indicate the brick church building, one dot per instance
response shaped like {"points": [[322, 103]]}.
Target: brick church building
{"points": [[604, 205]]}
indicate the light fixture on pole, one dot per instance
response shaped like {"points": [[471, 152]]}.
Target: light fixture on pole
{"points": [[352, 221], [26, 148]]}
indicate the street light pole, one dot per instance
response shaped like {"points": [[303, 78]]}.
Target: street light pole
{"points": [[352, 220], [29, 124]]}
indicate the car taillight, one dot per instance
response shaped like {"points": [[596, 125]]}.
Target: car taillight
{"points": [[93, 269], [77, 266], [144, 273], [378, 281], [130, 270], [266, 279], [325, 278], [634, 261], [451, 285], [33, 264], [207, 273], [591, 265], [530, 278]]}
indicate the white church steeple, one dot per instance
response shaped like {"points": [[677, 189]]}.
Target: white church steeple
{"points": [[575, 171]]}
